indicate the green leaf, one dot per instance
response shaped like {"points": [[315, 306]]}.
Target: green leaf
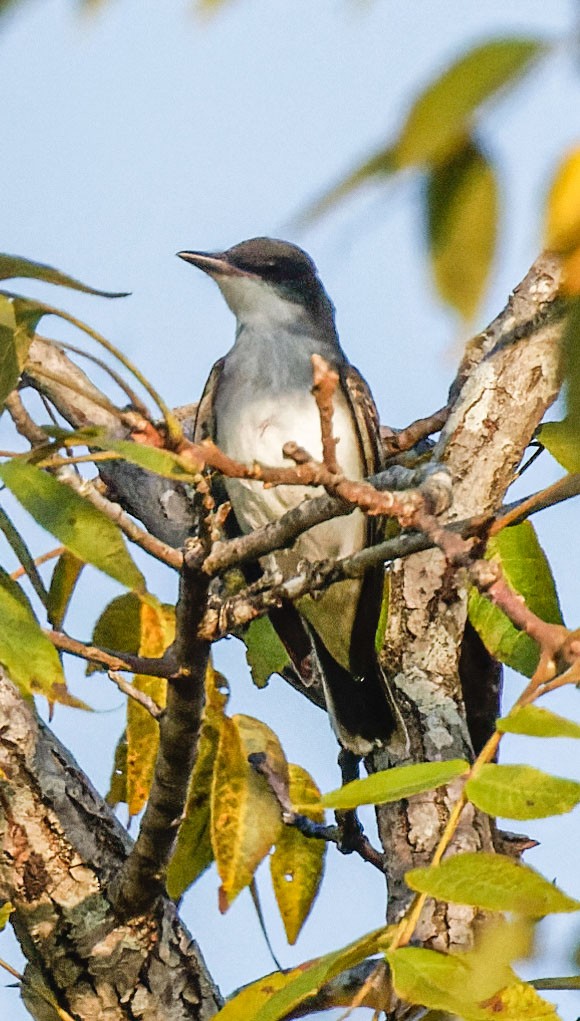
{"points": [[153, 459], [462, 216], [17, 327], [442, 115], [264, 651], [493, 882], [118, 627], [193, 851], [380, 164], [62, 584], [277, 995], [527, 571], [521, 792], [297, 862], [245, 816], [118, 783], [23, 554], [562, 439], [76, 523], [394, 784], [27, 654], [12, 267], [536, 722]]}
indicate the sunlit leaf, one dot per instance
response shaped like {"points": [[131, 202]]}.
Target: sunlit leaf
{"points": [[297, 862], [527, 571], [153, 459], [275, 996], [442, 115], [62, 584], [14, 267], [5, 912], [562, 231], [193, 852], [394, 784], [521, 792], [462, 216], [493, 882], [536, 722], [264, 651], [157, 632], [27, 654], [245, 817], [76, 524]]}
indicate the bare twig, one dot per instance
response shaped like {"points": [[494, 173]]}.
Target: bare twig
{"points": [[324, 384], [397, 442], [23, 422], [164, 667], [141, 697], [42, 559]]}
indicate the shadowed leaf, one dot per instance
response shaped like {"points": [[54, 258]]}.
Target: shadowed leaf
{"points": [[117, 792], [264, 651], [13, 267], [62, 584]]}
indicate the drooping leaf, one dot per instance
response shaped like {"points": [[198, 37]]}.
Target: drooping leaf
{"points": [[5, 912], [9, 361], [536, 722], [245, 817], [394, 784], [442, 115], [297, 862], [76, 524], [157, 632], [14, 267], [493, 882], [117, 792], [562, 230], [154, 459], [118, 627], [62, 585], [275, 996], [462, 216], [521, 792], [264, 651], [193, 851], [527, 571], [27, 654], [23, 554]]}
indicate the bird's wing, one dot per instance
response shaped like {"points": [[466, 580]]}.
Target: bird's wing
{"points": [[366, 418], [204, 425]]}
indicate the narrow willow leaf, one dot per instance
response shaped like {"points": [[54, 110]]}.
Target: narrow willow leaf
{"points": [[153, 459], [394, 784], [23, 555], [157, 632], [13, 267], [76, 524], [297, 862], [62, 585], [245, 816], [441, 116], [521, 792], [528, 572], [28, 656], [462, 217], [492, 882], [277, 995], [264, 651], [380, 164], [536, 722], [193, 851]]}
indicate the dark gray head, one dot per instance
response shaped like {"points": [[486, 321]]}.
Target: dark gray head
{"points": [[264, 277]]}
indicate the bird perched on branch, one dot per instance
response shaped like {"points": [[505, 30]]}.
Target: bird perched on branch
{"points": [[257, 399]]}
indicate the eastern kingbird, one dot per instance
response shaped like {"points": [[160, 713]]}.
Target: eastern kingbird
{"points": [[257, 398]]}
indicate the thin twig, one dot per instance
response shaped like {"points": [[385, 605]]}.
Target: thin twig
{"points": [[38, 561], [134, 398], [398, 442], [23, 422], [164, 667], [141, 697]]}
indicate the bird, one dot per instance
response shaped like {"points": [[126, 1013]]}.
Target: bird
{"points": [[257, 398]]}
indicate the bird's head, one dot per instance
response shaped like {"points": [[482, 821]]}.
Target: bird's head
{"points": [[265, 279]]}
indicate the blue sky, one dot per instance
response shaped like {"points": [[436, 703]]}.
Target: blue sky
{"points": [[142, 129]]}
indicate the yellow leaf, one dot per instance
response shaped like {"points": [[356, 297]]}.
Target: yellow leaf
{"points": [[245, 817], [563, 211], [157, 633], [297, 863], [193, 852]]}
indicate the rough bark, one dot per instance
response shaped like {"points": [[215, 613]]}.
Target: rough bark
{"points": [[61, 849]]}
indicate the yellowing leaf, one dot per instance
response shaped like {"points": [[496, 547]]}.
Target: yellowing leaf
{"points": [[527, 571], [157, 633], [119, 627], [275, 996], [521, 792], [442, 115], [297, 862], [562, 231], [64, 578], [536, 722], [245, 817], [193, 852], [264, 651], [76, 523], [5, 912], [562, 439], [118, 783], [493, 882], [462, 215], [154, 459], [430, 978], [29, 657], [521, 1002], [394, 784]]}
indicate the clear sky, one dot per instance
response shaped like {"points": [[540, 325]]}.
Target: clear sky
{"points": [[142, 129]]}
